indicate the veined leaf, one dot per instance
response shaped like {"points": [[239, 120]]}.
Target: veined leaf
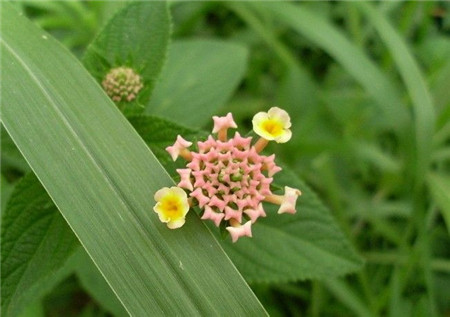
{"points": [[159, 133], [288, 247], [102, 177], [36, 243], [137, 37], [199, 77]]}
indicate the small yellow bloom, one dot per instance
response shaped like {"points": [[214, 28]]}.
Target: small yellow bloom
{"points": [[172, 206], [273, 125]]}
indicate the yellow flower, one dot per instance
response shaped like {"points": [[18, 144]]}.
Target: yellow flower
{"points": [[273, 125], [172, 206]]}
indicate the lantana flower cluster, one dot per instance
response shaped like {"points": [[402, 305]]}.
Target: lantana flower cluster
{"points": [[228, 178], [122, 84]]}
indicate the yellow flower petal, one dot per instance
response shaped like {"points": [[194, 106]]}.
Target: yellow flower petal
{"points": [[273, 125], [171, 206]]}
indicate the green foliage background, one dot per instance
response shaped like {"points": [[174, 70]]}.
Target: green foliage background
{"points": [[367, 87]]}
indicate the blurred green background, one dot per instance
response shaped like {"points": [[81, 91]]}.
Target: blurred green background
{"points": [[368, 90]]}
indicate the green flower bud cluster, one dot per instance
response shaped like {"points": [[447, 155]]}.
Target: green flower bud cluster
{"points": [[122, 84]]}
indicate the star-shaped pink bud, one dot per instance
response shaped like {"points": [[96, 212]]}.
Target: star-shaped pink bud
{"points": [[185, 182], [236, 231], [270, 165], [202, 199], [289, 200], [179, 148], [210, 214], [222, 124], [254, 214]]}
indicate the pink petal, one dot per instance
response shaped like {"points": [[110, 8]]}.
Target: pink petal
{"points": [[202, 199], [210, 214], [289, 200], [240, 231], [223, 123], [185, 182]]}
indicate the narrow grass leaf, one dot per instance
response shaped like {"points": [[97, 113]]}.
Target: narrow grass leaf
{"points": [[102, 177], [349, 55], [423, 108], [347, 296], [439, 185]]}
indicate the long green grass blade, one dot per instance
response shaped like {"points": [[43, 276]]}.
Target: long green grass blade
{"points": [[102, 178], [351, 57], [423, 109]]}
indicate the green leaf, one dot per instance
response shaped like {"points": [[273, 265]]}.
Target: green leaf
{"points": [[306, 245], [6, 191], [159, 133], [10, 156], [102, 177], [198, 79], [36, 243], [423, 108], [439, 186], [349, 55], [347, 296], [137, 37]]}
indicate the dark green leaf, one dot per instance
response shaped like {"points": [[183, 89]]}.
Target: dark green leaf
{"points": [[94, 283], [36, 242], [306, 245], [137, 37]]}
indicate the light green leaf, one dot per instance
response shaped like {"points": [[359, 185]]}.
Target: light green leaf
{"points": [[440, 190], [137, 37], [198, 79], [423, 108], [36, 243], [306, 245], [349, 55], [102, 177]]}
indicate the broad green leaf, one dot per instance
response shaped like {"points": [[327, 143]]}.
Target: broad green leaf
{"points": [[306, 245], [198, 78], [440, 191], [137, 37], [423, 108], [102, 177], [159, 133], [94, 283], [36, 243], [350, 56]]}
